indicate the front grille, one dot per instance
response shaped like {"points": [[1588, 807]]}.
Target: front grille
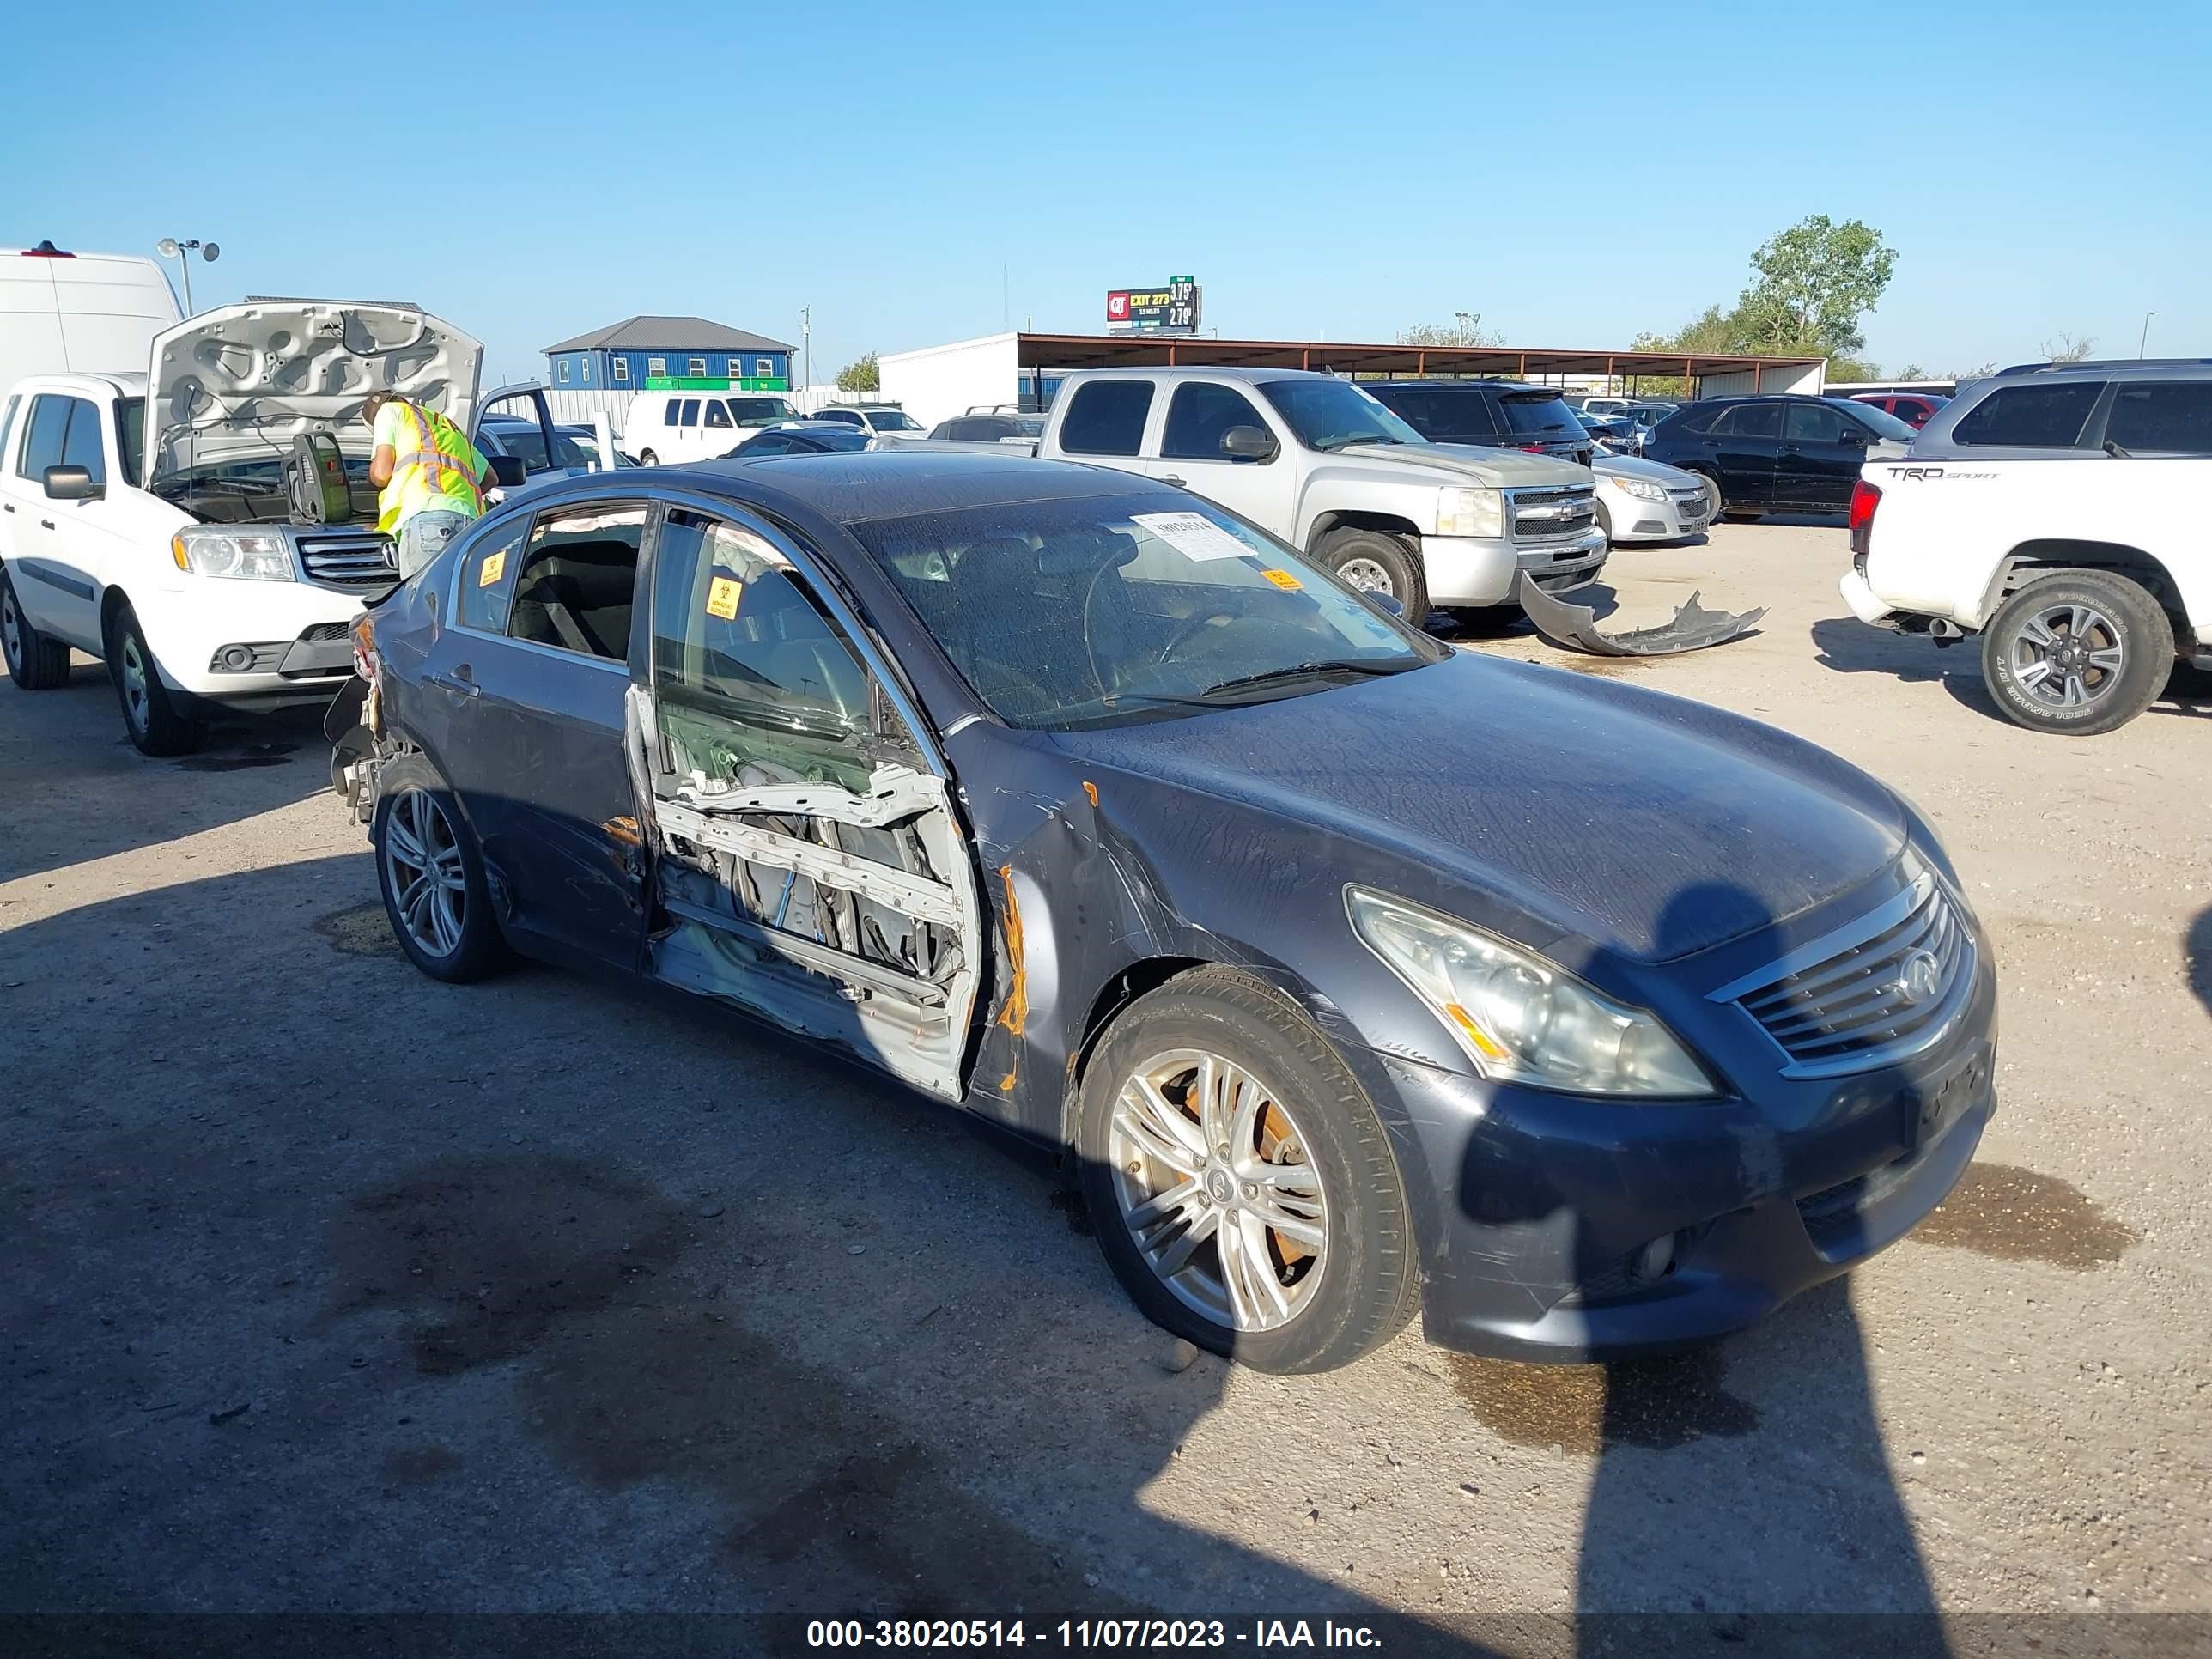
{"points": [[1833, 1215], [1689, 503], [336, 630], [1549, 515], [350, 562], [1866, 994]]}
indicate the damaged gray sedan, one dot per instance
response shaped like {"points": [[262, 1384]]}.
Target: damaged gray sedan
{"points": [[1349, 976]]}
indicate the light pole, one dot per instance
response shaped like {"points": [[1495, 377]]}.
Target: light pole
{"points": [[806, 346], [169, 247], [2145, 339]]}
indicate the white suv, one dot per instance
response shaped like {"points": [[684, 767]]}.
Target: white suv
{"points": [[150, 519], [2047, 508]]}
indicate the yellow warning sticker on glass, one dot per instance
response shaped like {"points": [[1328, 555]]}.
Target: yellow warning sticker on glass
{"points": [[722, 598], [1284, 580], [489, 571]]}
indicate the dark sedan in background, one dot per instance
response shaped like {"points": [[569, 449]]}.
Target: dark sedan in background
{"points": [[1497, 414], [1348, 974], [802, 438], [1778, 454]]}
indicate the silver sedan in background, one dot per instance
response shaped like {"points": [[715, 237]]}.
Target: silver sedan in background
{"points": [[1640, 501]]}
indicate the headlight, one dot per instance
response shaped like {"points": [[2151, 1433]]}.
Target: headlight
{"points": [[1643, 489], [1521, 1019], [240, 554], [1470, 513]]}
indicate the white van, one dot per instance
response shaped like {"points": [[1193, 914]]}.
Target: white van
{"points": [[665, 428], [79, 313]]}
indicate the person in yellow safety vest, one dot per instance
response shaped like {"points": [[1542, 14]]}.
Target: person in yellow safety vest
{"points": [[431, 479]]}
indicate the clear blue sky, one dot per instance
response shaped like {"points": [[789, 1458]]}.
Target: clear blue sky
{"points": [[1323, 170]]}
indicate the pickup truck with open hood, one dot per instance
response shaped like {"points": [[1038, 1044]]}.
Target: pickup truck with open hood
{"points": [[1317, 462], [160, 521]]}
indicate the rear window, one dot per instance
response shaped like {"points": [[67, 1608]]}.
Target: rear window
{"points": [[1539, 417], [2174, 416], [1751, 421], [1445, 415], [2031, 417], [1107, 418]]}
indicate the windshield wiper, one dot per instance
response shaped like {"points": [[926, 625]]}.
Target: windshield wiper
{"points": [[1334, 445], [1305, 670]]}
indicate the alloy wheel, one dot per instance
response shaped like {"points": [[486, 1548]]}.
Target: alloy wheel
{"points": [[134, 683], [1215, 1187], [2067, 656], [423, 864], [1367, 576]]}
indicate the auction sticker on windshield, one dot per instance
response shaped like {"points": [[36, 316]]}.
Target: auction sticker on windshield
{"points": [[1192, 535]]}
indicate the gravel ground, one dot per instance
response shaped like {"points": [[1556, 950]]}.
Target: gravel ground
{"points": [[331, 1289]]}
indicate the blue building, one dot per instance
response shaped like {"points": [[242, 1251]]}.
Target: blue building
{"points": [[624, 356]]}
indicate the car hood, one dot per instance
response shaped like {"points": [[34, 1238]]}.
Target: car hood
{"points": [[246, 378], [1499, 469], [1629, 466], [1534, 800]]}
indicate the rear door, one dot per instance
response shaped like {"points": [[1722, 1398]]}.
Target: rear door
{"points": [[1104, 424], [1743, 443], [524, 706], [1819, 460], [808, 867]]}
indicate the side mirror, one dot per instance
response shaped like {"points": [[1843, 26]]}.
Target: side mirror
{"points": [[1389, 602], [508, 471], [1248, 443], [1856, 436], [72, 483]]}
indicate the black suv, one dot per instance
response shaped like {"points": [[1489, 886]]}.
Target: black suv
{"points": [[1501, 414], [1779, 454]]}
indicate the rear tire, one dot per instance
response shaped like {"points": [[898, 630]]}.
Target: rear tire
{"points": [[36, 661], [2077, 654], [152, 713], [432, 878], [1294, 1141], [647, 458], [1377, 562], [1605, 522]]}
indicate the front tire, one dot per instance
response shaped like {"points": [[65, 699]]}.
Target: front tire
{"points": [[1241, 1186], [157, 726], [36, 661], [647, 458], [431, 877], [2077, 654], [1376, 561]]}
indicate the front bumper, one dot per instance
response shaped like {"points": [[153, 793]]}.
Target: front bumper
{"points": [[1467, 571], [293, 632], [1636, 519], [1544, 1213]]}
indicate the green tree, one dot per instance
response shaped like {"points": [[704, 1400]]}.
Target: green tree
{"points": [[1914, 371], [860, 375], [1816, 281], [1464, 330]]}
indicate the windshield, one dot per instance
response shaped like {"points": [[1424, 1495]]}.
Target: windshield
{"points": [[131, 423], [894, 420], [761, 412], [1069, 614], [1540, 417], [1885, 424], [1330, 414]]}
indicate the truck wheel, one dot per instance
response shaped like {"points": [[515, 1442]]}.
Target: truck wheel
{"points": [[1715, 505], [1376, 561], [2077, 654], [35, 662], [150, 713], [647, 458], [1605, 522]]}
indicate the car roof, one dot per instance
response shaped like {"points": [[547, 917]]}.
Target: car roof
{"points": [[1247, 376], [2111, 369], [856, 486], [123, 382], [1450, 385]]}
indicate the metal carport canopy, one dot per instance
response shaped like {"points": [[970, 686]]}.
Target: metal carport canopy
{"points": [[1067, 351]]}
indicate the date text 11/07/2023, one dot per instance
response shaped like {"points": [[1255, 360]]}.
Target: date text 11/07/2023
{"points": [[1137, 1634]]}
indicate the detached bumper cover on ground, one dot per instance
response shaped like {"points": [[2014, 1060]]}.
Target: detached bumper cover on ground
{"points": [[1574, 627]]}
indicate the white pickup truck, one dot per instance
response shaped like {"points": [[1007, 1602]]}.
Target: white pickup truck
{"points": [[2045, 510], [153, 519], [1317, 462]]}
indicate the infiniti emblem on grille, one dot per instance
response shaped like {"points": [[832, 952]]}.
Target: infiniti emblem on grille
{"points": [[1919, 976]]}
